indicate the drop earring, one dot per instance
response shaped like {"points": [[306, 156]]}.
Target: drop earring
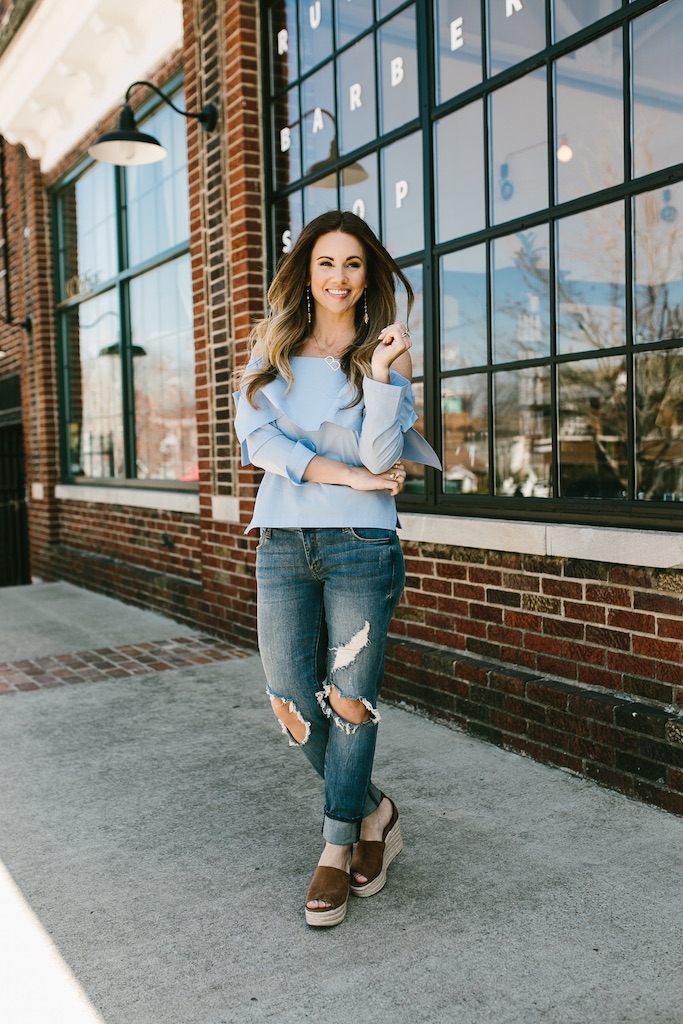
{"points": [[366, 318], [308, 301]]}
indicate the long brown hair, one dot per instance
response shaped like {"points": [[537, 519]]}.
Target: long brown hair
{"points": [[282, 334]]}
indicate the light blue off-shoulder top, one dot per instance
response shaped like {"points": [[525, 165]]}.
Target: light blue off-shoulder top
{"points": [[287, 429]]}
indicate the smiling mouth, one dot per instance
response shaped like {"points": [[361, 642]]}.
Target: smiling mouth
{"points": [[339, 293]]}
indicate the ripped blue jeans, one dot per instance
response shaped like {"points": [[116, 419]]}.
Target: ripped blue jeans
{"points": [[325, 601]]}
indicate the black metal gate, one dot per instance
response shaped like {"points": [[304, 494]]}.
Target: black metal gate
{"points": [[14, 560]]}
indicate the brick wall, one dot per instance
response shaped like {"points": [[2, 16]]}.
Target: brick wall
{"points": [[575, 663]]}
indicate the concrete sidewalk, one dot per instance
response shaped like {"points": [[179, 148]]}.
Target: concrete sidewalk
{"points": [[157, 837]]}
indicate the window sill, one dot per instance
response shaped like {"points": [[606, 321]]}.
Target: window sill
{"points": [[653, 549], [131, 497]]}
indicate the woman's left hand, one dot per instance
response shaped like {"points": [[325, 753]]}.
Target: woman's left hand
{"points": [[394, 340]]}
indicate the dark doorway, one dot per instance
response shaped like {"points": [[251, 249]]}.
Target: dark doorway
{"points": [[14, 560]]}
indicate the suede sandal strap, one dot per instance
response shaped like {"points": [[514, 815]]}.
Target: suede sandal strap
{"points": [[329, 885], [368, 857]]}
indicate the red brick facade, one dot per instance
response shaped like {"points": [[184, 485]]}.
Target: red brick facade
{"points": [[577, 663]]}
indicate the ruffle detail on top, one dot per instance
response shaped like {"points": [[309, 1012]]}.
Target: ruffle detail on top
{"points": [[273, 402]]}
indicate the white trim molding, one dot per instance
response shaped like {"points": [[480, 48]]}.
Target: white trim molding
{"points": [[130, 497], [225, 509], [650, 548]]}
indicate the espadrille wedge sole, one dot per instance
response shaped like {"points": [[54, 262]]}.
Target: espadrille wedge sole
{"points": [[371, 858], [329, 885]]}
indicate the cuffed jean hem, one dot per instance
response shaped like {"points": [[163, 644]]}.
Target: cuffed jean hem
{"points": [[343, 833], [372, 800]]}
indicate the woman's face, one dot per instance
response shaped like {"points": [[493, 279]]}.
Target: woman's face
{"points": [[338, 272]]}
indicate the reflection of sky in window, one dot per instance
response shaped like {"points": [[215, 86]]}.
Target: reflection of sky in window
{"points": [[657, 88], [353, 17], [573, 15], [96, 226], [590, 117], [398, 98], [458, 42], [517, 34], [590, 279], [357, 104], [659, 264], [315, 32], [521, 300], [463, 309], [157, 194]]}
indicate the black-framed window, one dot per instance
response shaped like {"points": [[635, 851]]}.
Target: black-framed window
{"points": [[523, 161], [125, 316]]}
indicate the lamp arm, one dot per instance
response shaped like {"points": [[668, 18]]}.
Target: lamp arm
{"points": [[207, 117]]}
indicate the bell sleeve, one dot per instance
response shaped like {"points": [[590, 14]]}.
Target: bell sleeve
{"points": [[387, 434], [264, 444]]}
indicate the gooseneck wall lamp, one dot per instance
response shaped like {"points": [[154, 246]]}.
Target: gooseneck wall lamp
{"points": [[127, 145]]}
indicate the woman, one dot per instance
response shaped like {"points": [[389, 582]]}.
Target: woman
{"points": [[326, 409]]}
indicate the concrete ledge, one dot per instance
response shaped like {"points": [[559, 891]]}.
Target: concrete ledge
{"points": [[619, 742], [650, 548], [132, 497]]}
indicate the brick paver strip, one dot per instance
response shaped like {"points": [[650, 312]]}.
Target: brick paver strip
{"points": [[114, 663]]}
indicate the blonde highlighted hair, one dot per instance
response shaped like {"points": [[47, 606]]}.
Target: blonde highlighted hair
{"points": [[282, 334]]}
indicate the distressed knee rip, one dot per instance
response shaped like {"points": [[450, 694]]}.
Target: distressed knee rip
{"points": [[347, 712], [292, 722]]}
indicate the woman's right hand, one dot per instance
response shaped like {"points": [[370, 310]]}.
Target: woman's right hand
{"points": [[392, 480]]}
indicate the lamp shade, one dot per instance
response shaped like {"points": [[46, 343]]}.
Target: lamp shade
{"points": [[126, 145]]}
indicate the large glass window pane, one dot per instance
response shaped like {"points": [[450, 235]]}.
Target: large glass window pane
{"points": [[590, 280], [659, 426], [353, 17], [287, 223], [464, 418], [460, 178], [521, 296], [589, 143], [385, 7], [157, 194], [657, 88], [457, 38], [516, 30], [523, 435], [95, 397], [89, 224], [320, 197], [520, 147], [416, 321], [318, 120], [658, 219], [315, 32], [592, 418], [403, 214], [161, 325], [398, 71], [286, 139], [463, 309], [283, 43], [573, 15], [360, 188], [357, 101]]}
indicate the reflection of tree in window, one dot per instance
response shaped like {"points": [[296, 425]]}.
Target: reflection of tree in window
{"points": [[465, 436]]}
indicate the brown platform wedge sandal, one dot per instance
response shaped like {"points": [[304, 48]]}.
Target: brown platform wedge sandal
{"points": [[372, 857], [330, 885]]}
